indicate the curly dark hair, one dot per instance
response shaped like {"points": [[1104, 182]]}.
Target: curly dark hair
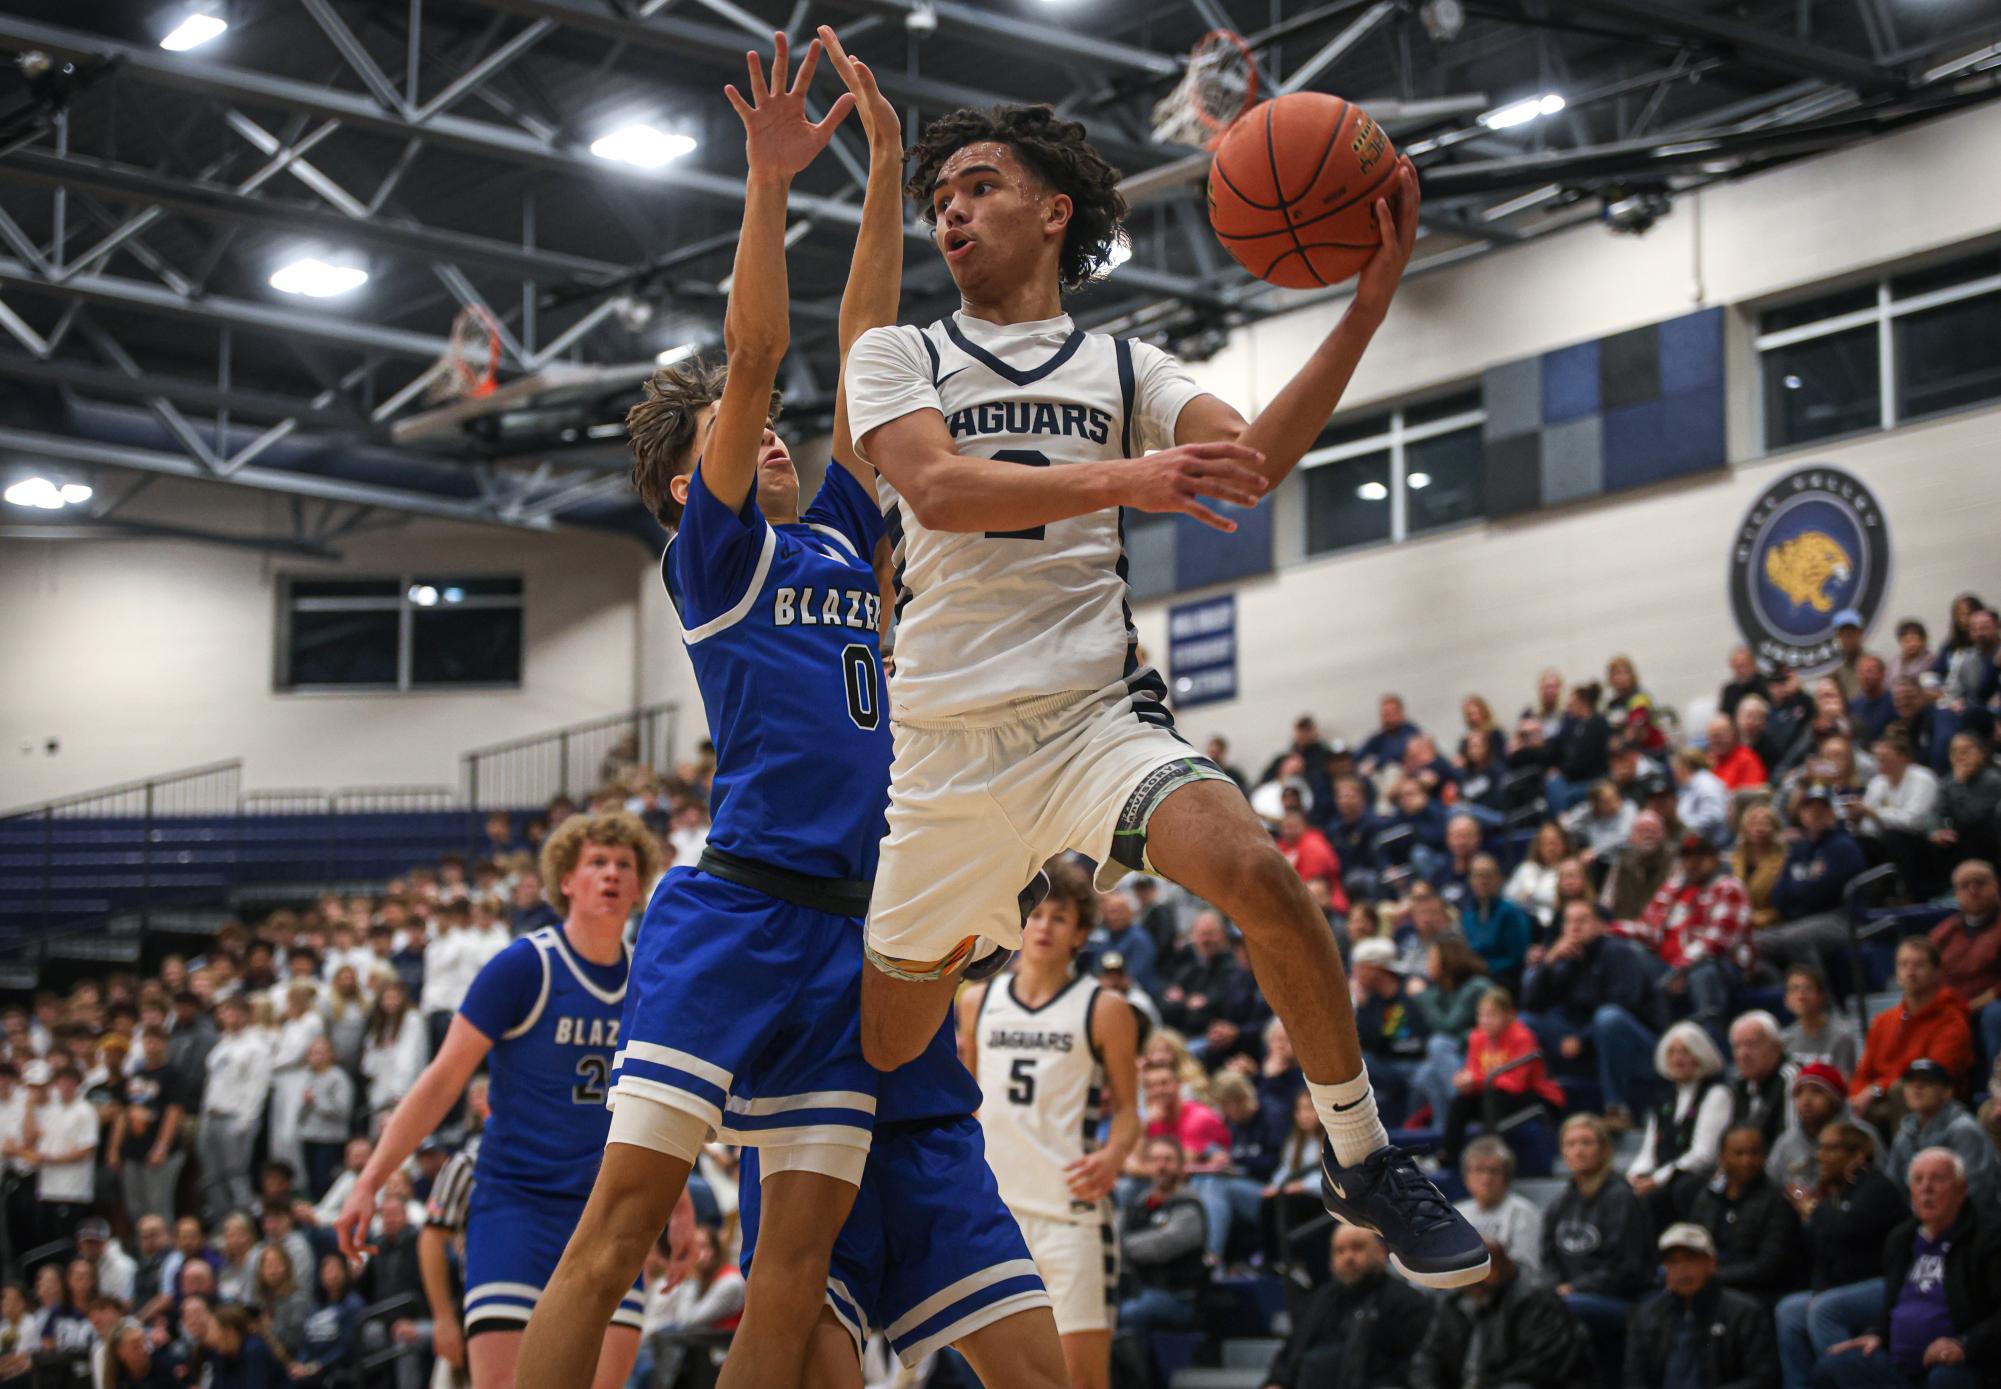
{"points": [[660, 427], [1058, 152]]}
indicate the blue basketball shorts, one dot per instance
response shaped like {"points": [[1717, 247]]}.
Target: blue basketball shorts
{"points": [[514, 1240], [745, 1012], [929, 1254]]}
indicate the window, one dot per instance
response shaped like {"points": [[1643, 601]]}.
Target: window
{"points": [[424, 631], [1912, 345], [1391, 476]]}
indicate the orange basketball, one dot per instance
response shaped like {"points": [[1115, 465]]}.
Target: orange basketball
{"points": [[1292, 187]]}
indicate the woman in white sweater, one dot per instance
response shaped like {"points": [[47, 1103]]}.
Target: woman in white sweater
{"points": [[1532, 886], [298, 1027], [394, 1049], [1685, 1130]]}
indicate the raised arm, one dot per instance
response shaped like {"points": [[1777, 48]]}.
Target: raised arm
{"points": [[1285, 429], [875, 276], [778, 142]]}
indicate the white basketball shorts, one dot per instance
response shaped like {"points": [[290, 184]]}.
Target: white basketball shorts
{"points": [[978, 803], [1079, 1264]]}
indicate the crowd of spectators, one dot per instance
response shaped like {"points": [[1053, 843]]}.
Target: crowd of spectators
{"points": [[175, 1145], [1606, 940], [1616, 935]]}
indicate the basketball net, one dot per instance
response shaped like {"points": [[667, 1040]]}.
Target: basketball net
{"points": [[470, 360], [1219, 85]]}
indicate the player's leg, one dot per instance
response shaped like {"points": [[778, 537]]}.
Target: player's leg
{"points": [[833, 1361], [645, 1167], [491, 1357], [956, 1270], [803, 1212], [1078, 1261], [1021, 1351], [516, 1241], [616, 1353], [948, 883], [900, 1015], [1204, 836], [1087, 1358]]}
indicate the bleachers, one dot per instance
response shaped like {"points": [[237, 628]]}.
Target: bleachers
{"points": [[69, 870]]}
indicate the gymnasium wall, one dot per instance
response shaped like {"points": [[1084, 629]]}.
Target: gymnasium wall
{"points": [[1485, 607], [143, 657]]}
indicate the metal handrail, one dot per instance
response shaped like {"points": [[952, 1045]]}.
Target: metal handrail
{"points": [[128, 788], [562, 762], [1876, 883], [569, 730]]}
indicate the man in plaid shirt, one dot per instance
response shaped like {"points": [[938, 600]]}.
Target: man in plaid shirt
{"points": [[1699, 927]]}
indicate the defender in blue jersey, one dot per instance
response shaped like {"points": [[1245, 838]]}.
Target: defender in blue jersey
{"points": [[544, 1015], [743, 1019]]}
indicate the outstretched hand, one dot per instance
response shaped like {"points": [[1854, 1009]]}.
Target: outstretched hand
{"points": [[879, 119], [1396, 232], [778, 139]]}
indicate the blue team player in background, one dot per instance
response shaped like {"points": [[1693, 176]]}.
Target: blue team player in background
{"points": [[544, 1015]]}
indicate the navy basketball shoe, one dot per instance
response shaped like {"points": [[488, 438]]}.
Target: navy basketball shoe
{"points": [[1430, 1243]]}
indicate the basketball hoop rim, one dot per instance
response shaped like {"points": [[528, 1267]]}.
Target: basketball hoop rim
{"points": [[1243, 47], [471, 377]]}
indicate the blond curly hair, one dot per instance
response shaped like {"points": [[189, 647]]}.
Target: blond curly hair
{"points": [[565, 845]]}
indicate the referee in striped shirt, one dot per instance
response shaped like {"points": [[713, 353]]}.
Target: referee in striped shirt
{"points": [[443, 1234]]}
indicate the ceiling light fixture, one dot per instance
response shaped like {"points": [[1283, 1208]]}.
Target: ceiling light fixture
{"points": [[642, 145], [44, 495], [1523, 111], [1418, 481], [194, 31], [673, 355], [316, 279], [1372, 492]]}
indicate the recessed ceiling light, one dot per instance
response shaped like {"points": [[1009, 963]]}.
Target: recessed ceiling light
{"points": [[1523, 111], [316, 279], [1372, 492], [1793, 383], [642, 145], [40, 493], [1419, 481], [192, 32]]}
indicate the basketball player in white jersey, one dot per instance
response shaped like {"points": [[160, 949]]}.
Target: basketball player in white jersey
{"points": [[1053, 1053], [1006, 441]]}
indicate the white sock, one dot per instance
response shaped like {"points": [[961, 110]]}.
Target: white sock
{"points": [[1348, 1112]]}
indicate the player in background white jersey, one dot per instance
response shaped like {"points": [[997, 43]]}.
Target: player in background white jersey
{"points": [[1005, 440], [1054, 1054]]}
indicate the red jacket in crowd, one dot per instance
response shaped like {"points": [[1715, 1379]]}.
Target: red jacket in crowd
{"points": [[1898, 1037], [1311, 856], [1741, 767], [1486, 1055]]}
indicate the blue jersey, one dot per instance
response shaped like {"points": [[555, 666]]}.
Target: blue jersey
{"points": [[553, 1019], [781, 623]]}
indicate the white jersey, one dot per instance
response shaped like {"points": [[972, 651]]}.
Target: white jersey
{"points": [[983, 620], [1042, 1086]]}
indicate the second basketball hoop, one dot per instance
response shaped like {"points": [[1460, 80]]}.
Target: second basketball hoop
{"points": [[1219, 85]]}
